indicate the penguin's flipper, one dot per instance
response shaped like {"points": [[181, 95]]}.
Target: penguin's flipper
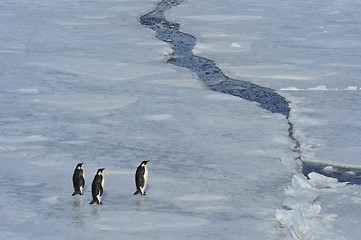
{"points": [[92, 202], [82, 181], [139, 177], [73, 194], [136, 192], [100, 187]]}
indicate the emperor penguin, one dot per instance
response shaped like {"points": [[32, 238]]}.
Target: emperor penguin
{"points": [[98, 186], [78, 180], [141, 178]]}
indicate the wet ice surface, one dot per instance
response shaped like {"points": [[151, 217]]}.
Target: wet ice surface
{"points": [[85, 82]]}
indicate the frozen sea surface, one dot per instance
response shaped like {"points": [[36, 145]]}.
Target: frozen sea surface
{"points": [[83, 81], [309, 53]]}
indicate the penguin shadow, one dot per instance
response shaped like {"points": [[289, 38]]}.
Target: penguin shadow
{"points": [[141, 203], [78, 209], [78, 202], [96, 208]]}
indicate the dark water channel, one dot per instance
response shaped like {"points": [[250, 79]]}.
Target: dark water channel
{"points": [[205, 69], [214, 79]]}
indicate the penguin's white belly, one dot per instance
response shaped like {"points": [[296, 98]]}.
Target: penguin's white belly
{"points": [[81, 189], [145, 180]]}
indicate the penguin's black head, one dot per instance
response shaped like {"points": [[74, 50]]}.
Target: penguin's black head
{"points": [[100, 170], [79, 165], [144, 163]]}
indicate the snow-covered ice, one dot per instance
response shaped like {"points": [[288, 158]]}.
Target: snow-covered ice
{"points": [[83, 81]]}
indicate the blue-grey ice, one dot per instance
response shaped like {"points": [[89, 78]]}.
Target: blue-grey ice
{"points": [[84, 81]]}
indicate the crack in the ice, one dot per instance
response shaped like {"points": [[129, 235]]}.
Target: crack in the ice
{"points": [[214, 79], [206, 69]]}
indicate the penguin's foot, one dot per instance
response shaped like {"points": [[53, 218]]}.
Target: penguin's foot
{"points": [[73, 194], [92, 202], [143, 194], [136, 192]]}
